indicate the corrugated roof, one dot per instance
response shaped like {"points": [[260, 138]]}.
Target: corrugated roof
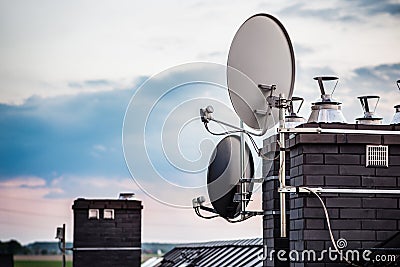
{"points": [[244, 252]]}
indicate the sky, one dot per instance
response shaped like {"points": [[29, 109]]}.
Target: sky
{"points": [[97, 98]]}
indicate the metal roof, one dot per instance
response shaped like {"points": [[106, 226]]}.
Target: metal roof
{"points": [[244, 252]]}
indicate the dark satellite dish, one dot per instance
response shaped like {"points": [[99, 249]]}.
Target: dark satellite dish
{"points": [[261, 55], [223, 177]]}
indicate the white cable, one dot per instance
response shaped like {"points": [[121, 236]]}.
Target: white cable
{"points": [[329, 227]]}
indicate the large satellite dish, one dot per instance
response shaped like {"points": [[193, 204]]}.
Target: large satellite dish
{"points": [[261, 53], [223, 177]]}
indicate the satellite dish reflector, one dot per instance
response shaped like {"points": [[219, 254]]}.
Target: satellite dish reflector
{"points": [[261, 55], [223, 177]]}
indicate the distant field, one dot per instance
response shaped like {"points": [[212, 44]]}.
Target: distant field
{"points": [[39, 263], [51, 261]]}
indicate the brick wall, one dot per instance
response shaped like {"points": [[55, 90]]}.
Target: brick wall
{"points": [[338, 161], [107, 242], [6, 260]]}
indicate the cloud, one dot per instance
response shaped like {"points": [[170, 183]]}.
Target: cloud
{"points": [[341, 11], [23, 182], [92, 83], [52, 136], [26, 213], [311, 11], [377, 77], [377, 7]]}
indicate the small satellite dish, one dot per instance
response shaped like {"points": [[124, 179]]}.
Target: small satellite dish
{"points": [[260, 59], [223, 177]]}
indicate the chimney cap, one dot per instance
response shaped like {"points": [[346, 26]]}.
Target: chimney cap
{"points": [[126, 195]]}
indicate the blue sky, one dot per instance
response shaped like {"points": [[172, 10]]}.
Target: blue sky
{"points": [[70, 68]]}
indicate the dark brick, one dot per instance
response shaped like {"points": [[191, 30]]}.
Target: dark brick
{"points": [[316, 245], [390, 171], [299, 246], [384, 235], [379, 224], [297, 181], [345, 159], [294, 151], [388, 214], [299, 160], [313, 159], [394, 150], [315, 223], [374, 127], [317, 234], [341, 138], [357, 213], [343, 180], [296, 214], [313, 201], [381, 203], [320, 169], [352, 149], [340, 224], [394, 161], [295, 171], [378, 181], [391, 139], [298, 203], [314, 180], [369, 244], [319, 213], [317, 138], [364, 139], [298, 224], [355, 170], [320, 149], [362, 235], [343, 202]]}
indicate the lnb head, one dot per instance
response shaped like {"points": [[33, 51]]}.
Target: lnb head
{"points": [[201, 199], [198, 201], [205, 114]]}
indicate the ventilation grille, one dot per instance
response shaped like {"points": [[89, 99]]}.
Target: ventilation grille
{"points": [[377, 156]]}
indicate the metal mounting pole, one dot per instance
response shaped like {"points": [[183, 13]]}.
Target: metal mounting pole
{"points": [[63, 246], [242, 174], [282, 167]]}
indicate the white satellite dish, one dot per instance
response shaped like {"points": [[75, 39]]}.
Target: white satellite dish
{"points": [[261, 57]]}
